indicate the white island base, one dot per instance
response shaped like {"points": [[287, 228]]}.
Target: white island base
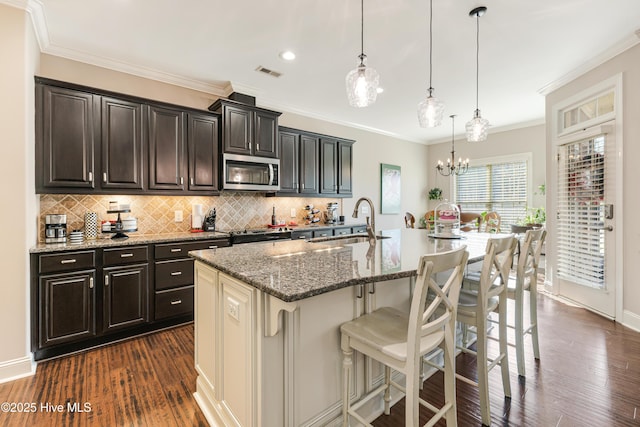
{"points": [[265, 362]]}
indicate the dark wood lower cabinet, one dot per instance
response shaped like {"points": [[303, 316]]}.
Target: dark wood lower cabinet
{"points": [[126, 301], [66, 307], [89, 297]]}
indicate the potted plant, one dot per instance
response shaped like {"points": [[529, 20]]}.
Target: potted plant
{"points": [[435, 193], [535, 218]]}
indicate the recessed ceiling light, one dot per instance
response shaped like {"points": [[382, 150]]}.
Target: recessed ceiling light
{"points": [[379, 89], [287, 55]]}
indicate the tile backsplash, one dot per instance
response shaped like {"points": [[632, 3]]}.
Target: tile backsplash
{"points": [[155, 214]]}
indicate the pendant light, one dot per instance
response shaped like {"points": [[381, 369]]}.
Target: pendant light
{"points": [[477, 127], [362, 82], [451, 168], [430, 109]]}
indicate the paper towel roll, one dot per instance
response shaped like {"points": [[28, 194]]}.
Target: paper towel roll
{"points": [[196, 216]]}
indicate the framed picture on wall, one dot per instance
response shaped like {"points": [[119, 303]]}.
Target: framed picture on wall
{"points": [[389, 189]]}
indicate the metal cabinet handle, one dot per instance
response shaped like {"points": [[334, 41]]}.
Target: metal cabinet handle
{"points": [[104, 177], [126, 255], [176, 302], [302, 237], [176, 273], [372, 289], [106, 280], [360, 291], [191, 180], [68, 261], [181, 180], [213, 247], [90, 176], [90, 282], [176, 250]]}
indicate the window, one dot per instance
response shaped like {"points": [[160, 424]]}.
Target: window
{"points": [[498, 185]]}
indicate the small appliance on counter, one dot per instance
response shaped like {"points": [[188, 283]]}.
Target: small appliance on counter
{"points": [[331, 214], [55, 228], [312, 216], [209, 223]]}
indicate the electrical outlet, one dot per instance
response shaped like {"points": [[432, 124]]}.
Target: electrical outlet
{"points": [[365, 210], [233, 308], [177, 216], [293, 212]]}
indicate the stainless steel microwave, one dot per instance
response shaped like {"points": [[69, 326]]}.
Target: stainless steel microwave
{"points": [[250, 173]]}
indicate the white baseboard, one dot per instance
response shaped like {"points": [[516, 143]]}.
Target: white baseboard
{"points": [[631, 320], [16, 368]]}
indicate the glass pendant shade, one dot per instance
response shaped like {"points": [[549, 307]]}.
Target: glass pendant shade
{"points": [[362, 84], [430, 112], [477, 128]]}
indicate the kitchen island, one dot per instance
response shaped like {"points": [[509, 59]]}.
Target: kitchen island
{"points": [[267, 320]]}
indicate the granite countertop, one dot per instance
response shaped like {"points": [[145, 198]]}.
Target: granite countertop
{"points": [[132, 240], [295, 270]]}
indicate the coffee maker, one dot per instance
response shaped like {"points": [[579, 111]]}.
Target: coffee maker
{"points": [[55, 228]]}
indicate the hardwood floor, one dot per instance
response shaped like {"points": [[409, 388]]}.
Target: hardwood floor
{"points": [[588, 375]]}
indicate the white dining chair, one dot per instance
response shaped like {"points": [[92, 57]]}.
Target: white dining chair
{"points": [[526, 280], [399, 341], [474, 307]]}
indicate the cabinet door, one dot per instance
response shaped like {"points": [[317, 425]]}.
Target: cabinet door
{"points": [[289, 143], [122, 151], [328, 163], [237, 130], [126, 300], [66, 307], [265, 134], [345, 154], [309, 164], [166, 149], [65, 138], [202, 143]]}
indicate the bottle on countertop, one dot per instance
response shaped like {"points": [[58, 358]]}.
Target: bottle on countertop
{"points": [[273, 217]]}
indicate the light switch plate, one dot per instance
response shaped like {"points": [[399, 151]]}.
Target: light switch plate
{"points": [[177, 216], [293, 212]]}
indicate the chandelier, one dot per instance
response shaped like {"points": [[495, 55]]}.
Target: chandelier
{"points": [[477, 127], [451, 168], [430, 109], [362, 82]]}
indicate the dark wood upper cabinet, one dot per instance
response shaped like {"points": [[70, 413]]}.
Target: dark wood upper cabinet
{"points": [[265, 133], [65, 144], [247, 129], [345, 163], [166, 148], [328, 166], [309, 175], [122, 144], [289, 159], [202, 141]]}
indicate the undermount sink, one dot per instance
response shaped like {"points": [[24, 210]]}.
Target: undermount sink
{"points": [[348, 239]]}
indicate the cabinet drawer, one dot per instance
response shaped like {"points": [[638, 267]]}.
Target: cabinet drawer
{"points": [[295, 235], [322, 233], [180, 250], [359, 229], [174, 302], [125, 255], [342, 231], [172, 274], [66, 261]]}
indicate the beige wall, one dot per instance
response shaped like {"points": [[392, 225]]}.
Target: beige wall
{"points": [[627, 63], [19, 53], [525, 140]]}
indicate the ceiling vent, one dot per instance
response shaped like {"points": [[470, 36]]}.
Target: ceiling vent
{"points": [[267, 71]]}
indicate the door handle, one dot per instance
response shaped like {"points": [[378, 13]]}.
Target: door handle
{"points": [[608, 228]]}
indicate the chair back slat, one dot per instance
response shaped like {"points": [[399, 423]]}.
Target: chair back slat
{"points": [[529, 257], [496, 265], [423, 318]]}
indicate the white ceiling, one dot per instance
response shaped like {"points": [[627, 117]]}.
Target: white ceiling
{"points": [[526, 48]]}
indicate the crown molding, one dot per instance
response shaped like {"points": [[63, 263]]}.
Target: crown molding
{"points": [[615, 50]]}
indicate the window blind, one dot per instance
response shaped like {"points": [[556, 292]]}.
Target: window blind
{"points": [[499, 187], [581, 173]]}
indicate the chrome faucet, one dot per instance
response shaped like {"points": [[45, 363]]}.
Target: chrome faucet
{"points": [[371, 227]]}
